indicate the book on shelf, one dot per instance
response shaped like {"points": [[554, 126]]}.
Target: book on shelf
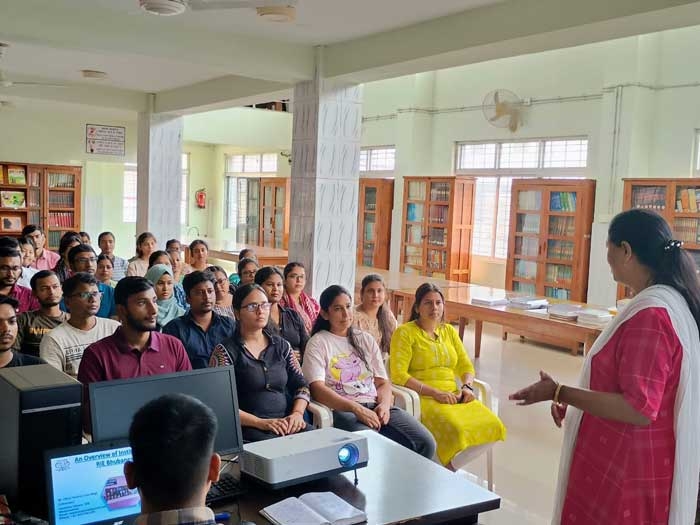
{"points": [[16, 175], [12, 199], [649, 197], [530, 200], [562, 201], [313, 508], [687, 200]]}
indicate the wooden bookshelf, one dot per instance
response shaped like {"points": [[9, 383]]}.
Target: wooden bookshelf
{"points": [[436, 234], [274, 212], [550, 237], [374, 222], [42, 194], [248, 209], [676, 200]]}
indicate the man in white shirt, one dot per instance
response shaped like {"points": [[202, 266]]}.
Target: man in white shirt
{"points": [[63, 346]]}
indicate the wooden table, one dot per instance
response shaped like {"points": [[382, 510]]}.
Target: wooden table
{"points": [[527, 323], [396, 486]]}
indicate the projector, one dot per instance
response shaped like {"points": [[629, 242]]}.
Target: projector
{"points": [[289, 460]]}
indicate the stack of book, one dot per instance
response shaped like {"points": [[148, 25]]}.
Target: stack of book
{"points": [[592, 317], [564, 312], [528, 303], [489, 301]]}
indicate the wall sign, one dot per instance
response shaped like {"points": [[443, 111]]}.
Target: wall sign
{"points": [[105, 140]]}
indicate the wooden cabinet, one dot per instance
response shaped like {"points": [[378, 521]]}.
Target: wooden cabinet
{"points": [[374, 222], [676, 200], [550, 237], [436, 235], [47, 195], [274, 213], [247, 209]]}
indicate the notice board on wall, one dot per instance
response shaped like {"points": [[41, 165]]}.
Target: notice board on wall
{"points": [[105, 140]]}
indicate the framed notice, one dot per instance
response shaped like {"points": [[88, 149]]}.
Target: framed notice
{"points": [[105, 140]]}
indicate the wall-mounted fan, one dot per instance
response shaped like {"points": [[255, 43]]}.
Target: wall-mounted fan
{"points": [[502, 108], [273, 10]]}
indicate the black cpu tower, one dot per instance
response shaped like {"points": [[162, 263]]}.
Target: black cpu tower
{"points": [[39, 411]]}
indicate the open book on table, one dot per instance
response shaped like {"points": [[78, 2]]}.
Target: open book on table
{"points": [[313, 508]]}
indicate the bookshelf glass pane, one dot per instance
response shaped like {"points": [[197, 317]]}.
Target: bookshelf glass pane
{"points": [[416, 190], [687, 230], [367, 254], [437, 260], [437, 236], [34, 177], [61, 180], [562, 226], [558, 273], [527, 223], [687, 199], [563, 250], [414, 212], [413, 255], [439, 191], [528, 246], [525, 269], [439, 214], [562, 201], [557, 293], [280, 197], [530, 200], [413, 234], [370, 199], [369, 227], [524, 288], [649, 197]]}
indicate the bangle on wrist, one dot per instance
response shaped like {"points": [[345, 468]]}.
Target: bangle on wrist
{"points": [[555, 398], [420, 390], [467, 386]]}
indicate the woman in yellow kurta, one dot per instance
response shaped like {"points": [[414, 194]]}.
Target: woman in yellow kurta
{"points": [[428, 356]]}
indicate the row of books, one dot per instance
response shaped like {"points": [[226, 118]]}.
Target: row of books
{"points": [[437, 260], [557, 293], [61, 180], [416, 191], [61, 219], [527, 246], [61, 199], [562, 201], [558, 272], [528, 223], [687, 199], [649, 197], [525, 269], [524, 288], [530, 200], [560, 249], [414, 234], [439, 214], [687, 230], [33, 197], [564, 226], [438, 236], [440, 191], [414, 212]]}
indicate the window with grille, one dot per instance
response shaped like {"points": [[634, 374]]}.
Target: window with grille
{"points": [[129, 194], [378, 159], [495, 165], [252, 163], [185, 161]]}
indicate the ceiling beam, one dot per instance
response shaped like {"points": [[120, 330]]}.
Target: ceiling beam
{"points": [[85, 95], [511, 28]]}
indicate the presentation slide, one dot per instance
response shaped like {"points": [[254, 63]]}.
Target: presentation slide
{"points": [[90, 487]]}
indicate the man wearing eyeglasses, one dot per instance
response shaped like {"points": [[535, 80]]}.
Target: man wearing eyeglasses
{"points": [[82, 258], [63, 346], [10, 270]]}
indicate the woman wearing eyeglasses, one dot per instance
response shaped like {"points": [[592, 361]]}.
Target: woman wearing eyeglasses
{"points": [[266, 371], [247, 268], [224, 298]]}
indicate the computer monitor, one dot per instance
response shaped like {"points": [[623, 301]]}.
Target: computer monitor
{"points": [[114, 403], [86, 484]]}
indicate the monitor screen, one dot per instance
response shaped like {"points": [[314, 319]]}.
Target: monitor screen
{"points": [[86, 485], [114, 403]]}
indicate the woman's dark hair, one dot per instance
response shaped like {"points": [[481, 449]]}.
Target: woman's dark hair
{"points": [[156, 255], [171, 242], [68, 239], [141, 239], [264, 273], [214, 268], [383, 318], [196, 243], [290, 266], [423, 290], [103, 257], [242, 292], [85, 234], [103, 235], [325, 301], [244, 262], [243, 254], [651, 240], [23, 241]]}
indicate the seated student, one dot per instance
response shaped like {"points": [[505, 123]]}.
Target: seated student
{"points": [[267, 373], [161, 277], [295, 297], [427, 355], [178, 266], [373, 314], [68, 240], [200, 329], [161, 257], [106, 243], [84, 237], [82, 258], [284, 321], [8, 334], [105, 271], [63, 346], [32, 326], [199, 251], [345, 371], [224, 296], [44, 258], [10, 270], [145, 245], [28, 251], [247, 268], [245, 253], [174, 463]]}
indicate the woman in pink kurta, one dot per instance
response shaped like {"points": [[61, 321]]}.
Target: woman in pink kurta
{"points": [[632, 425]]}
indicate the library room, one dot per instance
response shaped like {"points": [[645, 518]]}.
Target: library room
{"points": [[433, 228]]}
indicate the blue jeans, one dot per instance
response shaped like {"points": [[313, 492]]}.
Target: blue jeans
{"points": [[402, 428]]}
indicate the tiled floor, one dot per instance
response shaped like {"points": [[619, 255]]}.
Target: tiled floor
{"points": [[525, 465]]}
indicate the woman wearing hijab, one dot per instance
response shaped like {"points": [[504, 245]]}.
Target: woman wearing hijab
{"points": [[162, 278]]}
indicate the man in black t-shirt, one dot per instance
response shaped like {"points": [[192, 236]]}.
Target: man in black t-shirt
{"points": [[8, 334]]}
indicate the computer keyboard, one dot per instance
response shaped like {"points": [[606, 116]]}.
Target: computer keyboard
{"points": [[227, 488]]}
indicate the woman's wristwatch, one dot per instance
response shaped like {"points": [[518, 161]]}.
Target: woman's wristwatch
{"points": [[465, 385]]}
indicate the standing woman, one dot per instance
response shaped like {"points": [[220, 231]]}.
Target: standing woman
{"points": [[224, 298], [427, 355], [373, 314], [161, 277], [632, 432], [285, 321], [267, 375], [345, 371], [199, 251], [294, 296], [145, 245]]}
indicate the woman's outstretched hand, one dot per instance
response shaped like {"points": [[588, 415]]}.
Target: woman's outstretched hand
{"points": [[543, 390]]}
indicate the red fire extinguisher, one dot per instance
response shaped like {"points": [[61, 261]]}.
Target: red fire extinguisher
{"points": [[200, 197]]}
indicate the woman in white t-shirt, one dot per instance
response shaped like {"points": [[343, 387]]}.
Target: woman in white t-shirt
{"points": [[345, 371]]}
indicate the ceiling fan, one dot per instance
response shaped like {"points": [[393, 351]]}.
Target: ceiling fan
{"points": [[273, 10]]}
